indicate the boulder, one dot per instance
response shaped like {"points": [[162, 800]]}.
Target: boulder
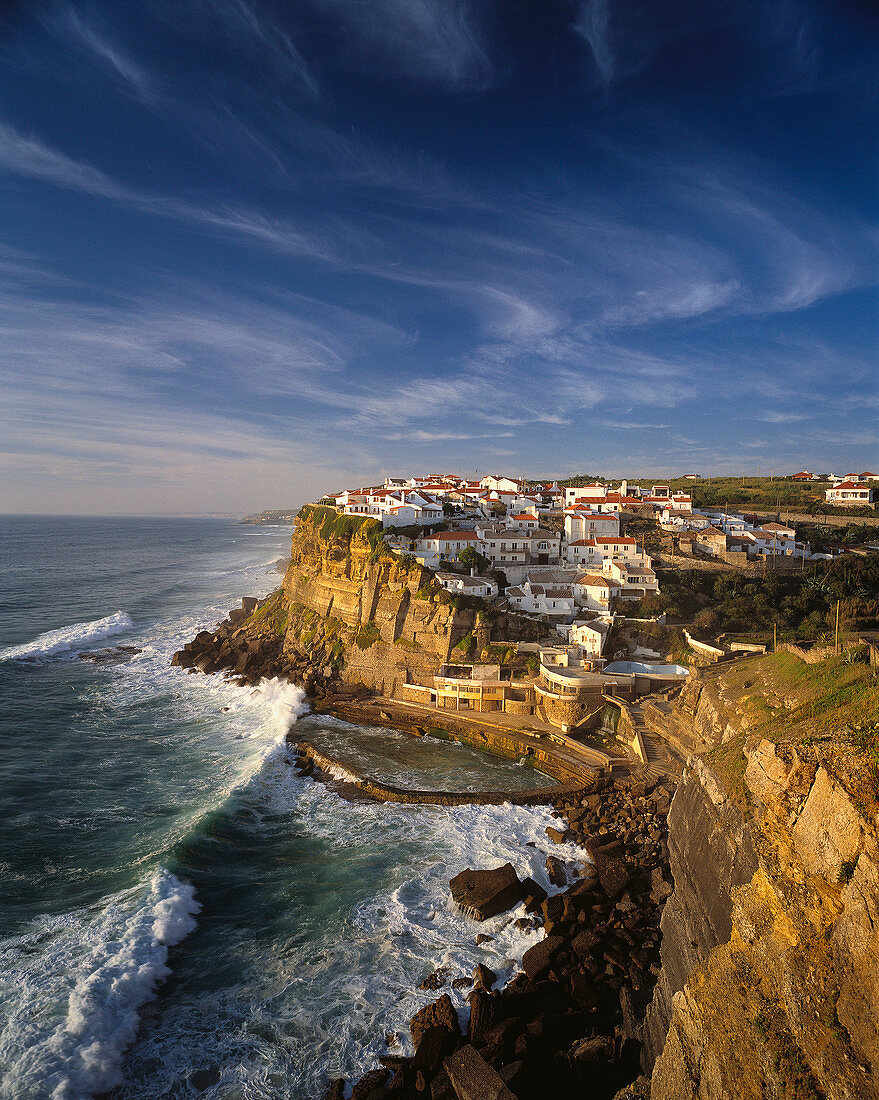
{"points": [[481, 1015], [249, 604], [369, 1081], [433, 1046], [436, 980], [555, 870], [558, 836], [483, 894], [439, 1013], [535, 896], [483, 978], [537, 959], [473, 1078]]}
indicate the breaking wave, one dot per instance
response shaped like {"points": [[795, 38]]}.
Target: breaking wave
{"points": [[67, 1031], [67, 638]]}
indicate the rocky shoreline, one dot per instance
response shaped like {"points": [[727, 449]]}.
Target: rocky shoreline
{"points": [[569, 1021], [254, 650]]}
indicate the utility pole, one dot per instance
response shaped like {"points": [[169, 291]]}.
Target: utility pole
{"points": [[774, 637], [836, 642]]}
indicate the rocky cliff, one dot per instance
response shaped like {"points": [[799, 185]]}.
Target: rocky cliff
{"points": [[769, 984], [350, 614]]}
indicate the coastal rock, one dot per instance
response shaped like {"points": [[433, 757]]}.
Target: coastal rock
{"points": [[473, 1078], [536, 960], [436, 980], [483, 978], [440, 1013], [433, 1046], [555, 871], [481, 1015], [369, 1081], [483, 894], [535, 896]]}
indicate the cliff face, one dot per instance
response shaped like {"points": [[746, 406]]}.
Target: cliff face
{"points": [[376, 620], [769, 985]]}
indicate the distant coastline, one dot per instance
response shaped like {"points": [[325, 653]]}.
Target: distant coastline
{"points": [[271, 517]]}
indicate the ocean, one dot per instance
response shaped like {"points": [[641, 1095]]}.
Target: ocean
{"points": [[181, 915]]}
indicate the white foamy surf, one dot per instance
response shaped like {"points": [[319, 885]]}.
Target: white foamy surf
{"points": [[79, 983], [67, 638]]}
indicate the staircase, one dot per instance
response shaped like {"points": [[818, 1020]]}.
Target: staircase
{"points": [[661, 761]]}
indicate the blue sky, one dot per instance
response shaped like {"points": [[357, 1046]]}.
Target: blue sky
{"points": [[251, 251]]}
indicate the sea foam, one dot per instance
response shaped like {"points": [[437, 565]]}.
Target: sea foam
{"points": [[77, 1010], [67, 638]]}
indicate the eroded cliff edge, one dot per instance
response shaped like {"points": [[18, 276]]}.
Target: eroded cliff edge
{"points": [[769, 984], [351, 616]]}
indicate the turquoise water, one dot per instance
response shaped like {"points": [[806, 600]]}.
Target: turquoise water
{"points": [[180, 915]]}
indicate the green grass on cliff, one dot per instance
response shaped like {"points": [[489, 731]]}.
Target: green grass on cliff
{"points": [[828, 711], [272, 613]]}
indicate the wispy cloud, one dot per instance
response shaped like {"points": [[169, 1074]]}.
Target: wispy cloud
{"points": [[435, 41]]}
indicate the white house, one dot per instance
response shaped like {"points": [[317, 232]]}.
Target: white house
{"points": [[636, 580], [503, 484], [582, 522], [590, 637], [468, 586], [595, 592], [522, 521], [849, 493], [584, 493], [503, 546], [445, 545], [554, 601], [597, 551]]}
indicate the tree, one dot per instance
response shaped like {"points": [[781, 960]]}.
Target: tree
{"points": [[472, 559]]}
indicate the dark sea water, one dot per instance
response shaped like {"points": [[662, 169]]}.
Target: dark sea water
{"points": [[180, 915]]}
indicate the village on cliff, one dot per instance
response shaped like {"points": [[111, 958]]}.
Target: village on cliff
{"points": [[575, 560]]}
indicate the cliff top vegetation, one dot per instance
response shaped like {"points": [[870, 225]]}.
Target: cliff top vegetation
{"points": [[827, 711]]}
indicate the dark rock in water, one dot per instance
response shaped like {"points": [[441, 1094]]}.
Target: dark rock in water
{"points": [[483, 978], [557, 836], [552, 908], [473, 1078], [112, 653], [555, 869], [483, 937], [440, 1013], [536, 960], [483, 894], [336, 1091], [436, 980], [535, 896], [369, 1081], [461, 983]]}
